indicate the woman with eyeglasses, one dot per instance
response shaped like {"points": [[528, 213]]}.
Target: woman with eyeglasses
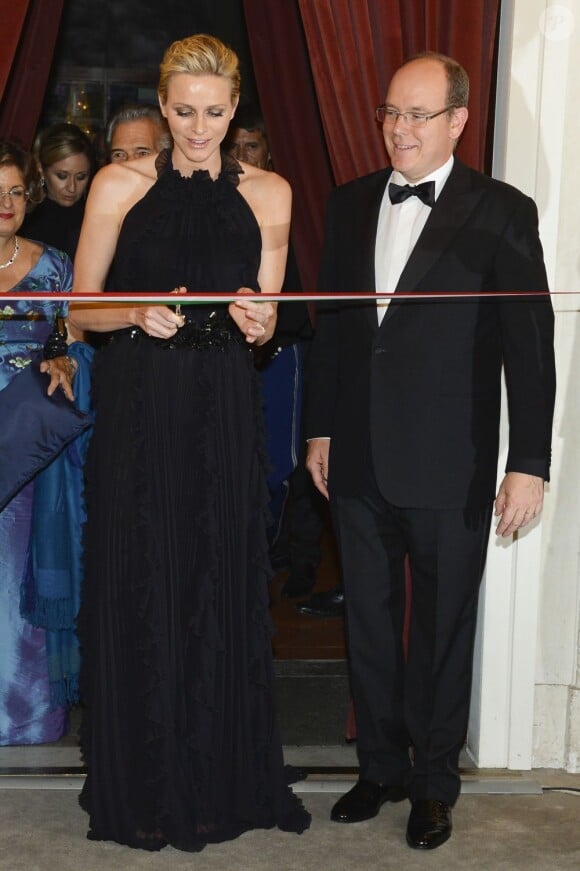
{"points": [[32, 702], [65, 155]]}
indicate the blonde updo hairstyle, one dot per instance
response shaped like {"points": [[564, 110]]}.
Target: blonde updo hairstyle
{"points": [[199, 55]]}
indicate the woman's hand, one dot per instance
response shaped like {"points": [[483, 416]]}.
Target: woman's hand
{"points": [[61, 371], [256, 320], [158, 321]]}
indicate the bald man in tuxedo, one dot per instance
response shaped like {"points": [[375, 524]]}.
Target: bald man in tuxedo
{"points": [[403, 429]]}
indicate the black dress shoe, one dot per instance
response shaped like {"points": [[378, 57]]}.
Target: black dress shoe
{"points": [[429, 824], [327, 604], [364, 801]]}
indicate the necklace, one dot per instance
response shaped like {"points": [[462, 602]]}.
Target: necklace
{"points": [[14, 255]]}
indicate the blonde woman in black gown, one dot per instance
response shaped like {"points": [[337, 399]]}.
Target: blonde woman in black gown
{"points": [[180, 733]]}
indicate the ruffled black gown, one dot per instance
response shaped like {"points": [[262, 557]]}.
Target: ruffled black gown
{"points": [[180, 733]]}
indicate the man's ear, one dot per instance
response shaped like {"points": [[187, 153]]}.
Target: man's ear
{"points": [[458, 122]]}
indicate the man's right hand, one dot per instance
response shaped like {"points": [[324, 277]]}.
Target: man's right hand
{"points": [[317, 463]]}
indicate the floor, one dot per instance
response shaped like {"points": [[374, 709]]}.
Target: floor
{"points": [[504, 820]]}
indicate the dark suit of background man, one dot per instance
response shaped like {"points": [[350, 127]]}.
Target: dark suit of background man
{"points": [[410, 398]]}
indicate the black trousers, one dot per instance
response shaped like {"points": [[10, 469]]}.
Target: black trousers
{"points": [[423, 701]]}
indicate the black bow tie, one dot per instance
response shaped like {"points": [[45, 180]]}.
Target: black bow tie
{"points": [[425, 191]]}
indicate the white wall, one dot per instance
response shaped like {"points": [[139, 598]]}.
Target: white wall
{"points": [[526, 696]]}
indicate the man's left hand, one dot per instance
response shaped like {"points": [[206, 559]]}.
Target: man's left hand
{"points": [[519, 500]]}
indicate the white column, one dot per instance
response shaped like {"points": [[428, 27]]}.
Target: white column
{"points": [[525, 695]]}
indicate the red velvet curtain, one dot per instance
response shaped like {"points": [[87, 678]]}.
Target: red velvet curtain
{"points": [[323, 65], [356, 45], [292, 119], [353, 48], [13, 18], [27, 40]]}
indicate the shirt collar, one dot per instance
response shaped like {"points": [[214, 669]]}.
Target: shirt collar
{"points": [[439, 176]]}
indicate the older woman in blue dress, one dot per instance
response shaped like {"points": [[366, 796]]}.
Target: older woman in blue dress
{"points": [[30, 712]]}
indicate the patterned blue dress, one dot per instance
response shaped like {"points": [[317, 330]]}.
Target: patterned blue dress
{"points": [[25, 713]]}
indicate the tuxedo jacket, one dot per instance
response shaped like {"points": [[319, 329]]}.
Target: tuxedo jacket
{"points": [[416, 402]]}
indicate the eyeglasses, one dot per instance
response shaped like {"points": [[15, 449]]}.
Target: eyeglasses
{"points": [[15, 194], [389, 116]]}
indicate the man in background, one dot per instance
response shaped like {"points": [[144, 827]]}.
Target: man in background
{"points": [[247, 140], [136, 130]]}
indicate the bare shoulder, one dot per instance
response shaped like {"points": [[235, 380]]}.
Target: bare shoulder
{"points": [[30, 251], [267, 183], [268, 194], [30, 248], [118, 186]]}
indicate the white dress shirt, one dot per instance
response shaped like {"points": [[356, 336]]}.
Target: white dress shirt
{"points": [[398, 228]]}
